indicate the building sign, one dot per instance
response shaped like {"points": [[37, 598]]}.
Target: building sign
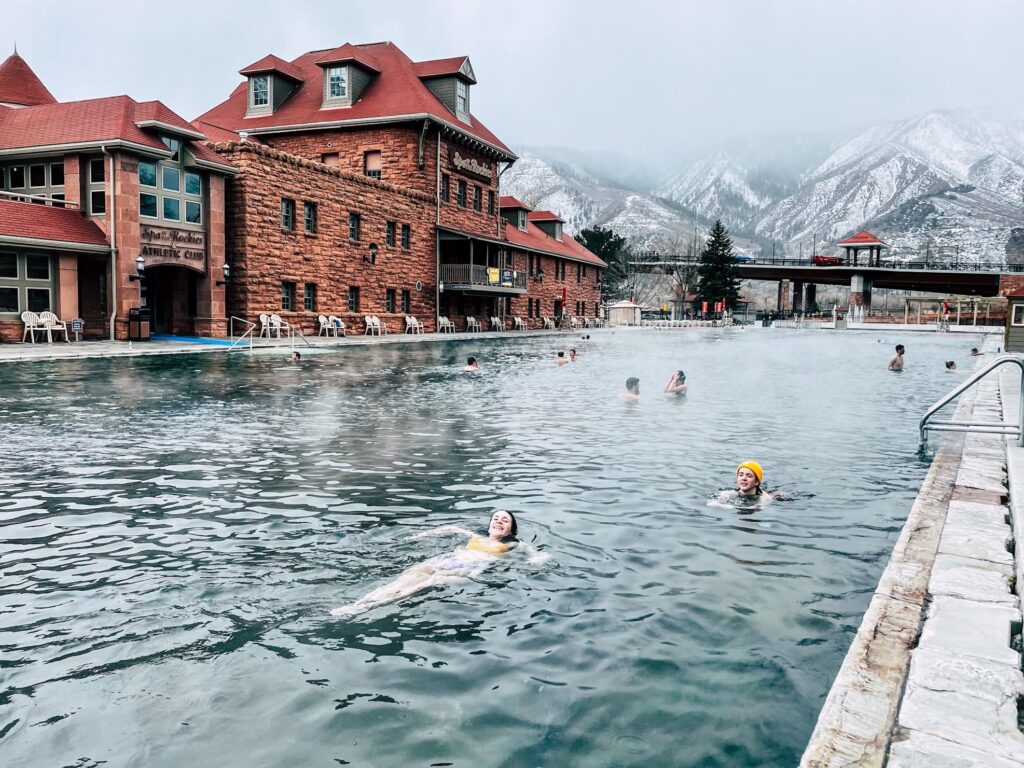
{"points": [[178, 247], [493, 275], [469, 165]]}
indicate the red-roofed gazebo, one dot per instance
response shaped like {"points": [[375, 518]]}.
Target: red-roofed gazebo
{"points": [[863, 241]]}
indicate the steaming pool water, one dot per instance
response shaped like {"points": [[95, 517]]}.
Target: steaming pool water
{"points": [[175, 530]]}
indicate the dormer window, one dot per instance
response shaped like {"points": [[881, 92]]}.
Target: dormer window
{"points": [[558, 230], [337, 83], [461, 99], [259, 88], [522, 220]]}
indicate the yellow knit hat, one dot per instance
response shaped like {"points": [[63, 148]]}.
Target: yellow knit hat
{"points": [[754, 467]]}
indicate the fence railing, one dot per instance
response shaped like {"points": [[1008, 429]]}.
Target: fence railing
{"points": [[475, 274]]}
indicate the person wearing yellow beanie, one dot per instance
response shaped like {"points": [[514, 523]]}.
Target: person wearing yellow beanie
{"points": [[749, 476]]}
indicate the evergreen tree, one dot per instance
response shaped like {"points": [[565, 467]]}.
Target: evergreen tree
{"points": [[613, 250], [718, 276]]}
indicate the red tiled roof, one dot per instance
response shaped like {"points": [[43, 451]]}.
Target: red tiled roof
{"points": [[535, 239], [348, 52], [271, 63], [397, 92], [19, 84], [44, 222], [862, 238], [94, 121], [441, 67], [544, 216], [507, 201]]}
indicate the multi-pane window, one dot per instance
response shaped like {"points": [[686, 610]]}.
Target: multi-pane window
{"points": [[167, 191], [372, 164], [529, 263], [97, 187], [309, 217], [597, 309], [287, 296], [490, 202], [26, 282], [579, 274], [460, 195], [461, 98], [37, 175], [406, 235], [478, 198], [287, 214], [39, 180], [260, 90], [446, 188], [406, 302], [389, 300], [353, 299], [337, 82], [354, 226], [389, 234], [309, 297]]}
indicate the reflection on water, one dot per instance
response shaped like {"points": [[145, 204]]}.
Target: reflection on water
{"points": [[173, 533]]}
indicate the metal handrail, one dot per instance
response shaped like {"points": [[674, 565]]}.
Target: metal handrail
{"points": [[994, 427], [240, 339]]}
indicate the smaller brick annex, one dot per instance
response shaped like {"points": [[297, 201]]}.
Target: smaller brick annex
{"points": [[264, 254]]}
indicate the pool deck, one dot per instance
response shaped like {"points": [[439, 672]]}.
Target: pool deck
{"points": [[933, 675], [59, 350]]}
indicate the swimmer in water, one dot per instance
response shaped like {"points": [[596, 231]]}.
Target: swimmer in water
{"points": [[975, 352], [296, 356], [472, 364], [632, 389], [469, 561], [573, 357], [677, 384], [896, 362], [560, 360], [749, 476], [951, 366]]}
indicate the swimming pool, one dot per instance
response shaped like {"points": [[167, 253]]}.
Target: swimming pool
{"points": [[174, 531]]}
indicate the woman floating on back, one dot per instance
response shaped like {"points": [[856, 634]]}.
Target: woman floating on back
{"points": [[479, 552]]}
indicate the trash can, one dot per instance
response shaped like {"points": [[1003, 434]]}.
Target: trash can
{"points": [[138, 324]]}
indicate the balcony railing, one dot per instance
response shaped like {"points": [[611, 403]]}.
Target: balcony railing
{"points": [[476, 275], [19, 197]]}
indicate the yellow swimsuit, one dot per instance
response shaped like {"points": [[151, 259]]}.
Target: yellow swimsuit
{"points": [[490, 546]]}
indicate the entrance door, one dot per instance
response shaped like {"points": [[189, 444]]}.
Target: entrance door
{"points": [[170, 294], [92, 296]]}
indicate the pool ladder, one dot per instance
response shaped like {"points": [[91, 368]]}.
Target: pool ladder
{"points": [[996, 427]]}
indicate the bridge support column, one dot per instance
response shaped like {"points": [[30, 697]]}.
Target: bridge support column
{"points": [[860, 292], [810, 297], [798, 296], [780, 301]]}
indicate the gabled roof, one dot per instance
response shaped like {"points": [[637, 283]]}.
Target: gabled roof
{"points": [[46, 223], [348, 53], [537, 240], [862, 238], [507, 201], [271, 63], [397, 94], [20, 85], [94, 122], [544, 216], [458, 66]]}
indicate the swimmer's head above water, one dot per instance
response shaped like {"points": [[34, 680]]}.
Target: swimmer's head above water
{"points": [[749, 476], [502, 526]]}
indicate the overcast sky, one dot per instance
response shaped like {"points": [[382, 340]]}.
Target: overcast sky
{"points": [[634, 77]]}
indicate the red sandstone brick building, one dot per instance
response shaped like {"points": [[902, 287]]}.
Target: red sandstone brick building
{"points": [[368, 187], [351, 182], [88, 187]]}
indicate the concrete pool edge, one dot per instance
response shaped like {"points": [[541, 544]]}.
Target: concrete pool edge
{"points": [[943, 603]]}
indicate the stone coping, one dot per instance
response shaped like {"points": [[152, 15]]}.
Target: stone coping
{"points": [[931, 678]]}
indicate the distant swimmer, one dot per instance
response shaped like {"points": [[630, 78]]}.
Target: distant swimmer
{"points": [[632, 389], [573, 357], [472, 364], [950, 365], [295, 356], [463, 563], [677, 384], [975, 352], [560, 360], [896, 362]]}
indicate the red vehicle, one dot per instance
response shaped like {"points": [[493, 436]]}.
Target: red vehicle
{"points": [[827, 261]]}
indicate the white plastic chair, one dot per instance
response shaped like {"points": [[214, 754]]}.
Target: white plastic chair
{"points": [[472, 324], [412, 325], [32, 324], [264, 326], [326, 329], [52, 323], [518, 324], [337, 324], [277, 325], [382, 325], [371, 326], [444, 325]]}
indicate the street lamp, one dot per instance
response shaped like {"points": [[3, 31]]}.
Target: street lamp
{"points": [[227, 274], [140, 268], [371, 257]]}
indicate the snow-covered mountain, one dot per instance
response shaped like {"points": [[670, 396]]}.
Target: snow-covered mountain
{"points": [[943, 182]]}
